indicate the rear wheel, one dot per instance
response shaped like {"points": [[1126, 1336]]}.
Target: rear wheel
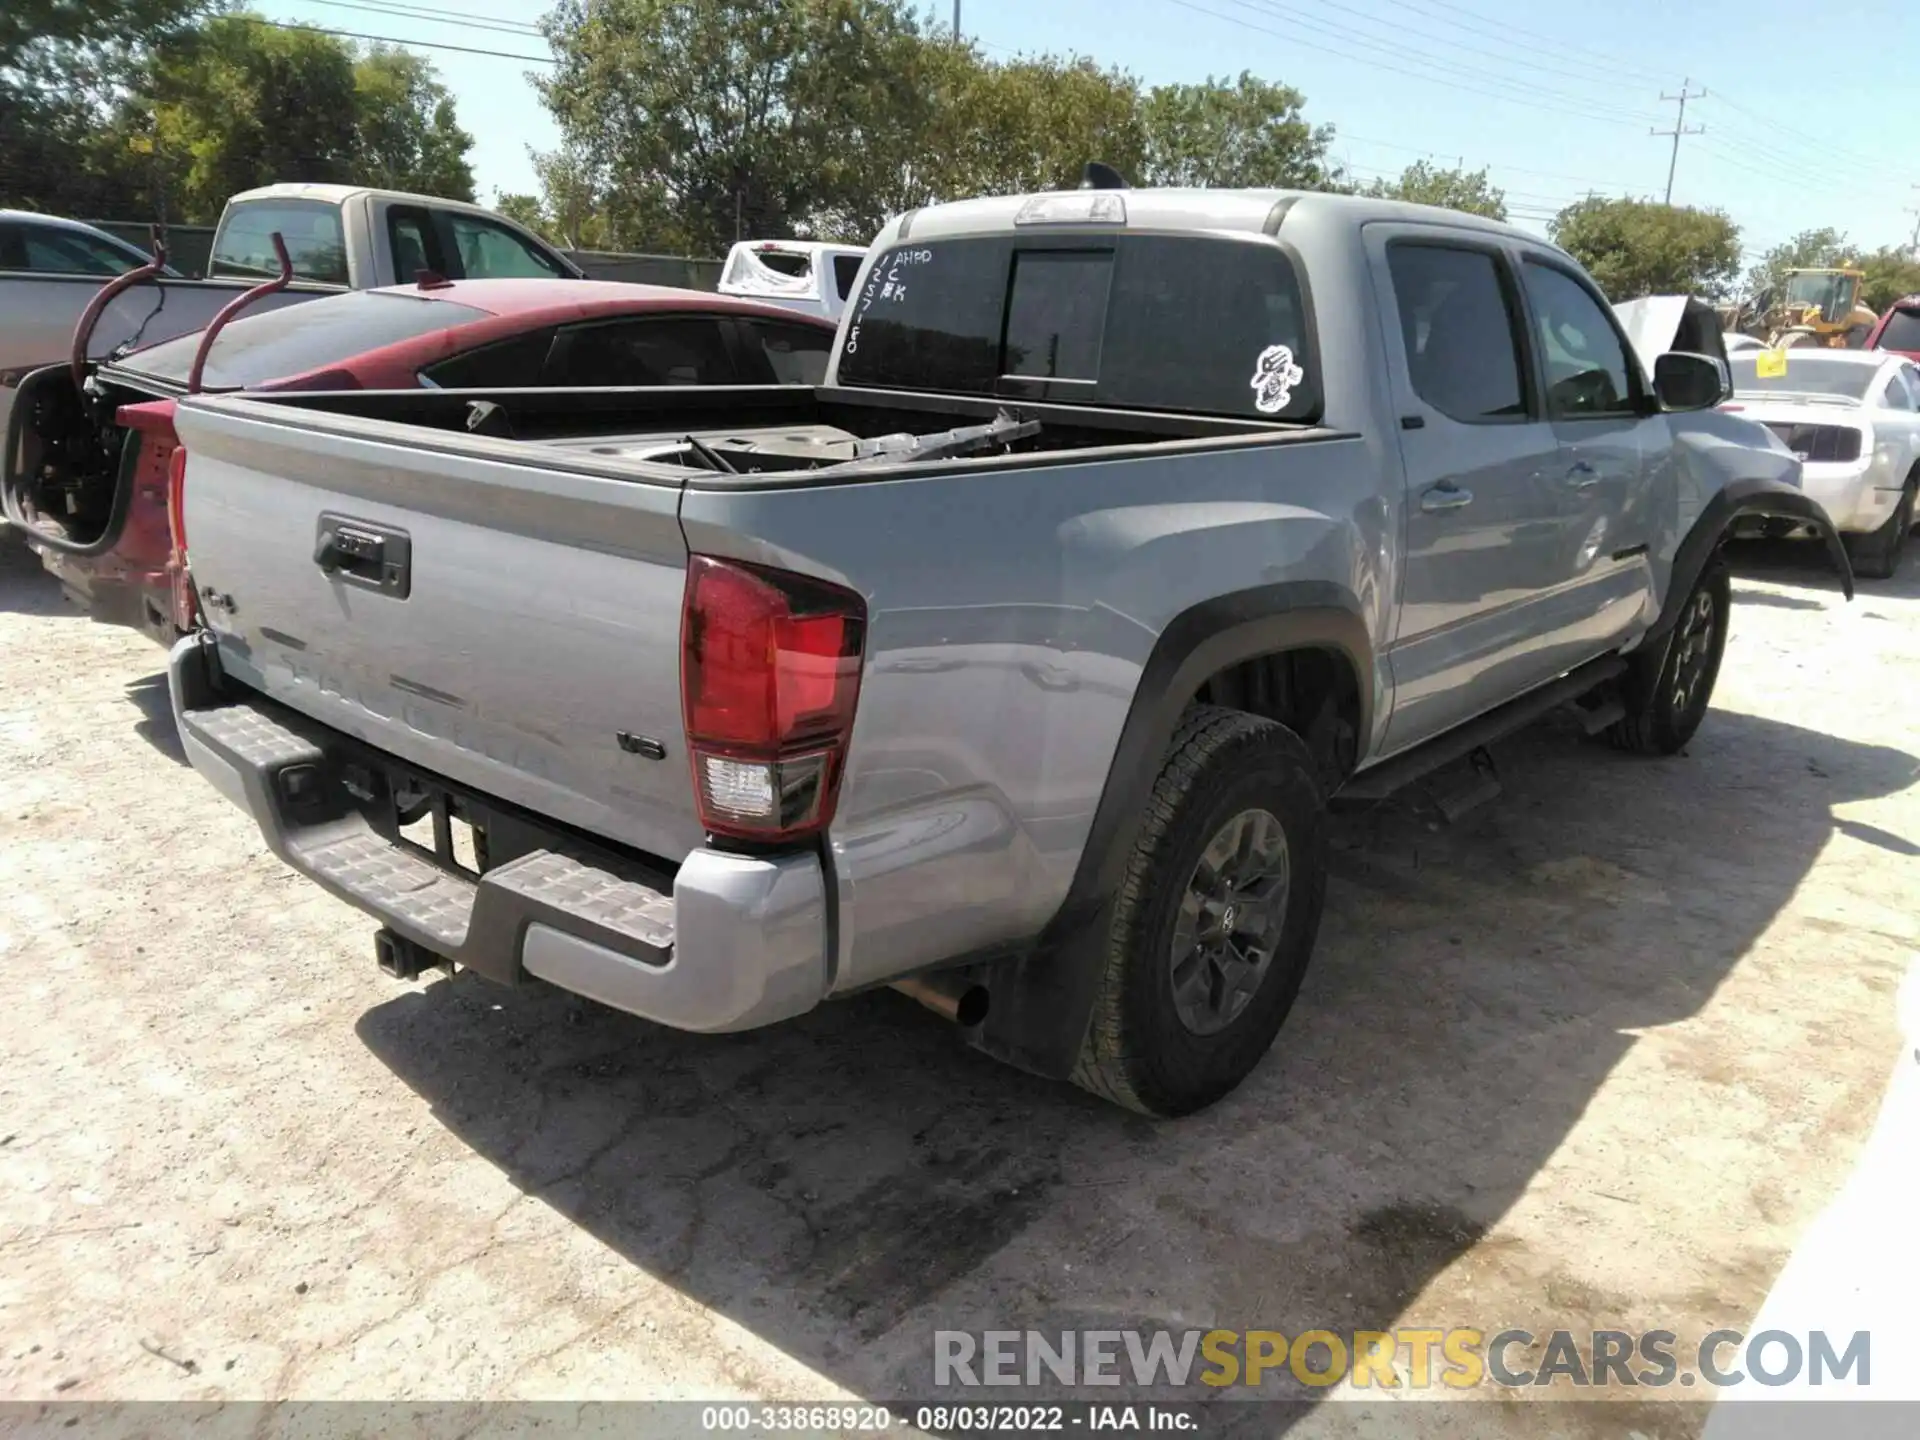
{"points": [[1668, 686], [1215, 922], [1877, 556]]}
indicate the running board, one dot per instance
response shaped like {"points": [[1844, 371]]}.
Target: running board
{"points": [[1388, 776]]}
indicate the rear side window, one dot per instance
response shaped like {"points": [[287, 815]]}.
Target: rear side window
{"points": [[505, 364], [796, 354], [275, 344], [1902, 331], [1147, 322], [846, 270], [1457, 326], [316, 243], [667, 350]]}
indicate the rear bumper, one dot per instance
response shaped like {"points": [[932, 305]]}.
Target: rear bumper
{"points": [[1848, 494], [729, 942]]}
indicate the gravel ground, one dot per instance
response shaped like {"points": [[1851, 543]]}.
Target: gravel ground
{"points": [[1595, 1056]]}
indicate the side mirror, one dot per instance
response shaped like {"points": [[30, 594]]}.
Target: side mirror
{"points": [[1683, 381]]}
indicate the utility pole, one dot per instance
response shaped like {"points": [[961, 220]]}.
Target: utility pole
{"points": [[1914, 244], [1679, 126], [956, 19]]}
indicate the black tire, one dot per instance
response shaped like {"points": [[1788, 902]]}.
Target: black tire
{"points": [[1877, 556], [1141, 1049], [1662, 714]]}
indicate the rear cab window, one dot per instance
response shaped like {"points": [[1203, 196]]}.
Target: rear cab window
{"points": [[315, 238], [1190, 324], [294, 339]]}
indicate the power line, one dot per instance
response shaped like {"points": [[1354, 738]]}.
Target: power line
{"points": [[1493, 164], [1480, 88], [1271, 9], [1679, 129], [1505, 28], [390, 40], [430, 17]]}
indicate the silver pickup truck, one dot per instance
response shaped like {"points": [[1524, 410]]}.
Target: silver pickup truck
{"points": [[1016, 666]]}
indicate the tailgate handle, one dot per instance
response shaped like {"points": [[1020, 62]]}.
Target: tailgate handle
{"points": [[362, 554]]}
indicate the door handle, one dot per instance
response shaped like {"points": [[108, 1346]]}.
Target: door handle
{"points": [[1444, 496], [1583, 476], [356, 552]]}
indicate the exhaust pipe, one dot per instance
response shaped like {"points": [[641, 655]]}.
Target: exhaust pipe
{"points": [[964, 1002]]}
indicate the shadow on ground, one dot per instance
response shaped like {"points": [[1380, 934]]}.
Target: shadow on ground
{"points": [[1803, 564], [25, 586], [156, 725], [846, 1184]]}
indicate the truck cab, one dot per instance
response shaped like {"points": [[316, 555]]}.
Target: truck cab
{"points": [[354, 238]]}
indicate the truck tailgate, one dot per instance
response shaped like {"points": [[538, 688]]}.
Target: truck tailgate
{"points": [[510, 627]]}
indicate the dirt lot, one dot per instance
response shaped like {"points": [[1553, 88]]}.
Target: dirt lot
{"points": [[1594, 1057]]}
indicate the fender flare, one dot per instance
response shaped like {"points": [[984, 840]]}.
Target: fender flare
{"points": [[1043, 996], [1737, 498]]}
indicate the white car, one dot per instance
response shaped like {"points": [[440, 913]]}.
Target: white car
{"points": [[1853, 418], [1736, 342]]}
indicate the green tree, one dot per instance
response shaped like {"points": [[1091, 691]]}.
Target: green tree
{"points": [[240, 104], [1641, 247], [405, 134], [701, 120], [524, 210], [237, 103], [1470, 190], [63, 66], [1892, 271], [1249, 132]]}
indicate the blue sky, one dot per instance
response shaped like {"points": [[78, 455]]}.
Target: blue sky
{"points": [[1808, 114]]}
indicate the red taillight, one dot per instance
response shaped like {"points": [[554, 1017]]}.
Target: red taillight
{"points": [[1733, 407], [769, 677], [177, 501]]}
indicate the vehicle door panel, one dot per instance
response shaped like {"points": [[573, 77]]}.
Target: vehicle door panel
{"points": [[1612, 442], [1481, 523]]}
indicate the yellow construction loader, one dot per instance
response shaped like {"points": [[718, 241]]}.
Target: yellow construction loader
{"points": [[1820, 308]]}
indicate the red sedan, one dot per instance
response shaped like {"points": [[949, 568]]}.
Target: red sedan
{"points": [[460, 334]]}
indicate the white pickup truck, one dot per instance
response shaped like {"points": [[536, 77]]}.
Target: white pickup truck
{"points": [[810, 276], [340, 237]]}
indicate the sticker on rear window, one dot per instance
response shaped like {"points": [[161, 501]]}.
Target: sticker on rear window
{"points": [[1770, 364], [1274, 376]]}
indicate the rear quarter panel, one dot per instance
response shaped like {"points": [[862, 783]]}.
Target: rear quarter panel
{"points": [[1011, 611]]}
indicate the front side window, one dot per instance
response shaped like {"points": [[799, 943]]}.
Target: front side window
{"points": [[667, 350], [315, 239], [1457, 324], [1588, 374], [492, 252], [1191, 324]]}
